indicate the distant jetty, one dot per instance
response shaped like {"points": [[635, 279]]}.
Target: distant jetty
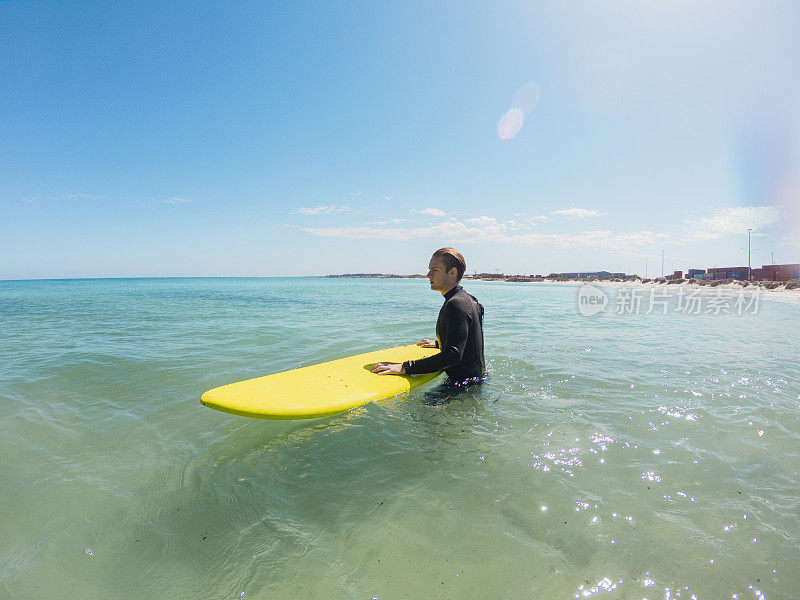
{"points": [[793, 284], [375, 276]]}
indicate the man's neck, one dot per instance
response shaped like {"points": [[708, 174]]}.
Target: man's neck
{"points": [[450, 289]]}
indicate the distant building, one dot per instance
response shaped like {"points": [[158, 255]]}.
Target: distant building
{"points": [[739, 273], [589, 275], [776, 272], [765, 273], [592, 275]]}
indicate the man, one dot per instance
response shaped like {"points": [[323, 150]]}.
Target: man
{"points": [[459, 328]]}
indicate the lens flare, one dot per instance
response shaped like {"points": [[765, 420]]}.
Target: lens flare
{"points": [[510, 124], [787, 196], [522, 104], [526, 98]]}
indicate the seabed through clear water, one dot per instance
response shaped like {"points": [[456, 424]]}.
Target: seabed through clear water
{"points": [[613, 456]]}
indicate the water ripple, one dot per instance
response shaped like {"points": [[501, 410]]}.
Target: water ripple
{"points": [[607, 457]]}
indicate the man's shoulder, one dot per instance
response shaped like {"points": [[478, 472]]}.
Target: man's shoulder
{"points": [[461, 300]]}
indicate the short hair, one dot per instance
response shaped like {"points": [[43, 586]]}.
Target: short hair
{"points": [[452, 259]]}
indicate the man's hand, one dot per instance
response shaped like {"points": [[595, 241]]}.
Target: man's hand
{"points": [[426, 343], [387, 368]]}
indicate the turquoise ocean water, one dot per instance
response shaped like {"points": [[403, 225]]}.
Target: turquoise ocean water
{"points": [[614, 456]]}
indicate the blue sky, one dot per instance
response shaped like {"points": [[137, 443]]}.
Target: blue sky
{"points": [[183, 139]]}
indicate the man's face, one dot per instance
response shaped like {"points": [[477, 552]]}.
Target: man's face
{"points": [[440, 280]]}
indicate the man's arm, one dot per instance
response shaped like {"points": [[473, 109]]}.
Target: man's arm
{"points": [[387, 368], [456, 331]]}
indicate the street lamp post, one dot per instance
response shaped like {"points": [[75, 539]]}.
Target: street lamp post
{"points": [[748, 253]]}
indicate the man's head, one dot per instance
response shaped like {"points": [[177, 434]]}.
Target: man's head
{"points": [[446, 269]]}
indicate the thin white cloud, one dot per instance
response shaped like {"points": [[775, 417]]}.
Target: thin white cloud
{"points": [[175, 200], [363, 232], [322, 210], [80, 197], [488, 229], [525, 222], [733, 220], [434, 212], [70, 197], [576, 213], [487, 223]]}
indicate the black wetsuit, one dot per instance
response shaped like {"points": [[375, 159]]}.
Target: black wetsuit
{"points": [[459, 336]]}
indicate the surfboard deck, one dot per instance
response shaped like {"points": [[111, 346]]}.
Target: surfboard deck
{"points": [[319, 390]]}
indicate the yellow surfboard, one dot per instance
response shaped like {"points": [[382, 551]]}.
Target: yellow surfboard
{"points": [[319, 390]]}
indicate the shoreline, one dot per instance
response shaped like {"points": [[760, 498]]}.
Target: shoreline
{"points": [[772, 290], [778, 293]]}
